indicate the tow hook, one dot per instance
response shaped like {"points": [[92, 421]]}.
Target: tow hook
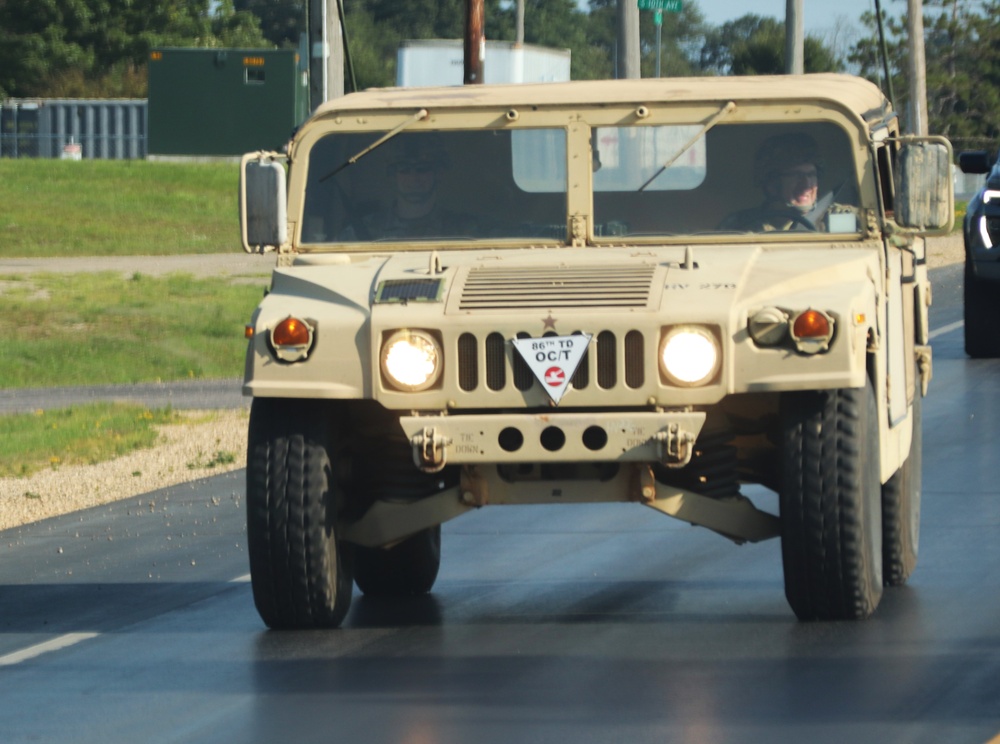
{"points": [[675, 446], [429, 450]]}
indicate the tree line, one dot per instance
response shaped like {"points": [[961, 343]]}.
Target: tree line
{"points": [[99, 48]]}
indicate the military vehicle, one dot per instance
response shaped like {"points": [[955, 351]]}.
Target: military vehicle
{"points": [[699, 295]]}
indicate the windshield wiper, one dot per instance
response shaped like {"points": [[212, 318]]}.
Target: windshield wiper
{"points": [[421, 114], [715, 119]]}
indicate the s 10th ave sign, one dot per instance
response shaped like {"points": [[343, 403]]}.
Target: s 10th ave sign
{"points": [[670, 6]]}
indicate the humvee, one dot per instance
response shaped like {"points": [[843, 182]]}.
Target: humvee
{"points": [[535, 294]]}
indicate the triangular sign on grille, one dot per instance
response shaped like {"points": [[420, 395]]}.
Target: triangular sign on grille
{"points": [[553, 360]]}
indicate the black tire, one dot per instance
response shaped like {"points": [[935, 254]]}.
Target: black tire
{"points": [[901, 508], [408, 568], [982, 316], [830, 502], [300, 573]]}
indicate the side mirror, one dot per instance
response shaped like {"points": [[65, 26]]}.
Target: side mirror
{"points": [[925, 196], [263, 202], [974, 161]]}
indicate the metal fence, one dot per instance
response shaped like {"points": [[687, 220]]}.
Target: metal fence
{"points": [[113, 129]]}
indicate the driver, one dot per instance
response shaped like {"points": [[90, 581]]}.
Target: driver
{"points": [[416, 169], [786, 169]]}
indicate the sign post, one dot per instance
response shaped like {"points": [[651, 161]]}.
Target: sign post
{"points": [[658, 7], [670, 6]]}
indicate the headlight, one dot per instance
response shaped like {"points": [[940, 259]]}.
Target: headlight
{"points": [[689, 356], [292, 339], [988, 224], [411, 360]]}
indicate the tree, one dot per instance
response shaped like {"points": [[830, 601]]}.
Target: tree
{"points": [[281, 21], [962, 43], [99, 48], [755, 45]]}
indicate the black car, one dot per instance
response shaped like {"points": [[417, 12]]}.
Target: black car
{"points": [[982, 258]]}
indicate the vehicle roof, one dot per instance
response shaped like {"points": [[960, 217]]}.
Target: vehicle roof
{"points": [[853, 93]]}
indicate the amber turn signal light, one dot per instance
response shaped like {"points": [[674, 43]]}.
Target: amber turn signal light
{"points": [[811, 324], [291, 332], [292, 339]]}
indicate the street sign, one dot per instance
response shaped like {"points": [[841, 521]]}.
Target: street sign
{"points": [[670, 6]]}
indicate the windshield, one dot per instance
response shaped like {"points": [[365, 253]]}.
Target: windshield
{"points": [[648, 181], [738, 178], [455, 185]]}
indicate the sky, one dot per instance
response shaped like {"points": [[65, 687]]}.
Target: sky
{"points": [[819, 16]]}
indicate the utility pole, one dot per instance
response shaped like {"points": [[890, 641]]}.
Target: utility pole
{"points": [[519, 23], [627, 57], [794, 38], [918, 67], [475, 42], [326, 51]]}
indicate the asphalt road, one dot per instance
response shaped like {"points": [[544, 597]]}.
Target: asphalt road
{"points": [[604, 623]]}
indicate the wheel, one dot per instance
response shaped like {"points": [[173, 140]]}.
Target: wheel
{"points": [[982, 314], [300, 573], [901, 508], [830, 504], [406, 569]]}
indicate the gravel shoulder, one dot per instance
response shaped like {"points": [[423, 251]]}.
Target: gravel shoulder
{"points": [[205, 443], [201, 444]]}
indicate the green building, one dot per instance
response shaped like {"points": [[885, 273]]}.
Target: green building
{"points": [[224, 102]]}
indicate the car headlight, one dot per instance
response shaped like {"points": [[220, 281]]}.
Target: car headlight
{"points": [[988, 225], [689, 356], [411, 360]]}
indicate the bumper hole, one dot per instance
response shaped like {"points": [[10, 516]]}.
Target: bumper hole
{"points": [[553, 439], [510, 439], [595, 438]]}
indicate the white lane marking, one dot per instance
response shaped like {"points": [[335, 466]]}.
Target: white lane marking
{"points": [[240, 579], [55, 644], [945, 329]]}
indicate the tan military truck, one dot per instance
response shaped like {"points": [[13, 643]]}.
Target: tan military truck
{"points": [[687, 294]]}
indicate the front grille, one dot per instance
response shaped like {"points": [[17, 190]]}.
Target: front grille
{"points": [[557, 287], [504, 367]]}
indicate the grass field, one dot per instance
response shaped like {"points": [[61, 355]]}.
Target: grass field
{"points": [[116, 208], [99, 328], [102, 328]]}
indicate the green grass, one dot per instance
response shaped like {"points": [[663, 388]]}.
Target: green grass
{"points": [[78, 435], [116, 208], [84, 329]]}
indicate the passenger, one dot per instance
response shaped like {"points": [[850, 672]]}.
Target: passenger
{"points": [[787, 169]]}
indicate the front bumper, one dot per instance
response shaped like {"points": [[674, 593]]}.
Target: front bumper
{"points": [[664, 437]]}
